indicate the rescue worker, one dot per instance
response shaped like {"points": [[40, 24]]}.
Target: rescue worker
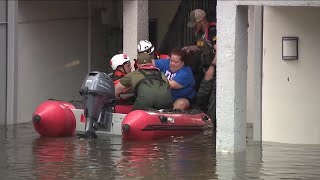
{"points": [[202, 49], [145, 46], [121, 65], [150, 85]]}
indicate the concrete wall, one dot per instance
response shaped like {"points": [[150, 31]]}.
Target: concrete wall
{"points": [[52, 52], [3, 60], [290, 88], [54, 47]]}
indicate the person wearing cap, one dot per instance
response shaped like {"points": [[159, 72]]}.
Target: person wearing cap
{"points": [[202, 48], [205, 32], [150, 85]]}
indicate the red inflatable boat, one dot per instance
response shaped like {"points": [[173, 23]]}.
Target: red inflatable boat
{"points": [[147, 125], [101, 114], [57, 118]]}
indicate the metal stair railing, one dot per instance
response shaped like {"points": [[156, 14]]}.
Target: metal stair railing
{"points": [[178, 34]]}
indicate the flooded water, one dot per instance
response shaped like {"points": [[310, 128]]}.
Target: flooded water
{"points": [[25, 155]]}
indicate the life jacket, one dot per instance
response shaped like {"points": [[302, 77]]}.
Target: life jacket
{"points": [[152, 84], [148, 67], [116, 76], [204, 39], [161, 56], [164, 56], [210, 25]]}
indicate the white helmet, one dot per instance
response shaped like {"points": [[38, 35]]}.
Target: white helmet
{"points": [[119, 60], [145, 46]]}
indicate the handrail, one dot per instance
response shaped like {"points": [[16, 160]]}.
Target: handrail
{"points": [[178, 35]]}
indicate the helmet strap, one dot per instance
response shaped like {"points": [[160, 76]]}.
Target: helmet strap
{"points": [[124, 70], [147, 50]]}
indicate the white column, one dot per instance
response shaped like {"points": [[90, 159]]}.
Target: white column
{"points": [[254, 80], [231, 76], [12, 72], [135, 25], [257, 74]]}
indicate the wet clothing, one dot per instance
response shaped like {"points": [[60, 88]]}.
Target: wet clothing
{"points": [[151, 87], [183, 76]]}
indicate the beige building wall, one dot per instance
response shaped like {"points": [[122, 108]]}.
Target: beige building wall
{"points": [[52, 52], [290, 100]]}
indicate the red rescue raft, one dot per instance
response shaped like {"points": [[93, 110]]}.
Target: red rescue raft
{"points": [[147, 125], [54, 119], [57, 118]]}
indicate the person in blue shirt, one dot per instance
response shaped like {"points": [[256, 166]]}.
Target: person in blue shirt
{"points": [[180, 78]]}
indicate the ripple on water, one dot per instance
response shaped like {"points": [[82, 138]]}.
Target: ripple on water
{"points": [[25, 155]]}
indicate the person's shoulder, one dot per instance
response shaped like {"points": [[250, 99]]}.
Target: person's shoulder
{"points": [[162, 60], [186, 69], [134, 73], [186, 72], [162, 63]]}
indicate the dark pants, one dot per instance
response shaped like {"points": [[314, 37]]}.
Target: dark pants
{"points": [[206, 98], [153, 102]]}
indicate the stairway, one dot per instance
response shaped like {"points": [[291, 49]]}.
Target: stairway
{"points": [[178, 34]]}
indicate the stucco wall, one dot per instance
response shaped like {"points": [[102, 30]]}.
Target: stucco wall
{"points": [[52, 52], [290, 103]]}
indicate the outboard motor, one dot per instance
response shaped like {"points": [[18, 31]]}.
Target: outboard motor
{"points": [[98, 95]]}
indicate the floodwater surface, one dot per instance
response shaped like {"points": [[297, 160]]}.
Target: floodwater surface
{"points": [[26, 155]]}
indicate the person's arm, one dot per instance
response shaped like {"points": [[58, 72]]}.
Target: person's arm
{"points": [[162, 64], [123, 84], [174, 85], [182, 79], [209, 74], [119, 88], [211, 70]]}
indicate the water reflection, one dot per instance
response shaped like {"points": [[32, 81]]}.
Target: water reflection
{"points": [[176, 157], [25, 155], [52, 158]]}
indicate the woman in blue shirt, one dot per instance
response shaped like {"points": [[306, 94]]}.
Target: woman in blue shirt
{"points": [[180, 78]]}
